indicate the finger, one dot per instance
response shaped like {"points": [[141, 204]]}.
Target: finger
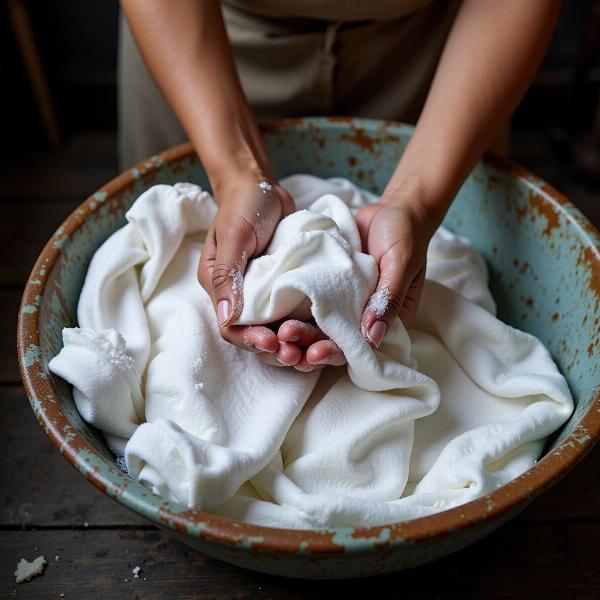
{"points": [[287, 356], [325, 352], [254, 338], [207, 259], [363, 221], [411, 300], [234, 245], [269, 359], [305, 366], [385, 303], [299, 332]]}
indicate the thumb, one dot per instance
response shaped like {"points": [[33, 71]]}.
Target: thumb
{"points": [[234, 246], [397, 294]]}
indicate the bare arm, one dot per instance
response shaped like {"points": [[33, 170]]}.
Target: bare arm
{"points": [[186, 48], [490, 58]]}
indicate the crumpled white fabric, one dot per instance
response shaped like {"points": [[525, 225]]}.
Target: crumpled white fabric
{"points": [[438, 416]]}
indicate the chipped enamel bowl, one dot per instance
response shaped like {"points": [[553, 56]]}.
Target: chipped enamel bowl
{"points": [[544, 260]]}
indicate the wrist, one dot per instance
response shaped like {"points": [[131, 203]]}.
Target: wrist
{"points": [[239, 170], [231, 150], [426, 212]]}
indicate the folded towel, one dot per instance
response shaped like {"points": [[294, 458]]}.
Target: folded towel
{"points": [[438, 416]]}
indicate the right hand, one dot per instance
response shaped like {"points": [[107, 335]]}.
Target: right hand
{"points": [[242, 229]]}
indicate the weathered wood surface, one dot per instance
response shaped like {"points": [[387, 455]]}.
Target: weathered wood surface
{"points": [[520, 561], [46, 507], [9, 305], [43, 489]]}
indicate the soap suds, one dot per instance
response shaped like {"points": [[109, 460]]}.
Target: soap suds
{"points": [[237, 283], [245, 339], [265, 186], [121, 464], [28, 570], [237, 280], [380, 300]]}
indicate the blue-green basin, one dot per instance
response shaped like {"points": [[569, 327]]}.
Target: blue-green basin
{"points": [[544, 260]]}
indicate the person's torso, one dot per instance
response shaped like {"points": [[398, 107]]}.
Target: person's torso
{"points": [[330, 10]]}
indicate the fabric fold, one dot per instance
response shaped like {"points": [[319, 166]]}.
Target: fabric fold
{"points": [[437, 416]]}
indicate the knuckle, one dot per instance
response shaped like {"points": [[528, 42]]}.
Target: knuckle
{"points": [[225, 334], [394, 303], [404, 255], [239, 232], [220, 276], [401, 255]]}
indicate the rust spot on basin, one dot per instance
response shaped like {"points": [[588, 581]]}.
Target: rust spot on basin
{"points": [[545, 209], [360, 137], [589, 257], [341, 119], [283, 125]]}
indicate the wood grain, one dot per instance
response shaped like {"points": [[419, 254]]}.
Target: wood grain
{"points": [[537, 561], [26, 224], [40, 488], [9, 306]]}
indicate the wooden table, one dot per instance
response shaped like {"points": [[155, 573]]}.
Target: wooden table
{"points": [[92, 543]]}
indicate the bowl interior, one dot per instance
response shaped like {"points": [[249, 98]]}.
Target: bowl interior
{"points": [[542, 254]]}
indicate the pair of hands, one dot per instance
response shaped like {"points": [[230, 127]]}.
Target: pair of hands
{"points": [[394, 231]]}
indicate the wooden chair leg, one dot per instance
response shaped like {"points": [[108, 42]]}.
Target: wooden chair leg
{"points": [[24, 34]]}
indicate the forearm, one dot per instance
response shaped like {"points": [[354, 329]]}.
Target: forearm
{"points": [[186, 48], [490, 58]]}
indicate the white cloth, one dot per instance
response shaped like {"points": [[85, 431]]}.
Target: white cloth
{"points": [[436, 417]]}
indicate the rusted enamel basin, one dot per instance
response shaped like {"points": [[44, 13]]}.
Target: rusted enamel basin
{"points": [[544, 259]]}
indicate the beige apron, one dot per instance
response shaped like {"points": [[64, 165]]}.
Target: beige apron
{"points": [[302, 57]]}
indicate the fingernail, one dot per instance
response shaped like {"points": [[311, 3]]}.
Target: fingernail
{"points": [[223, 312], [323, 361], [262, 348], [377, 332]]}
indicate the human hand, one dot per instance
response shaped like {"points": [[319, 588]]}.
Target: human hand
{"points": [[249, 211], [396, 234], [309, 347]]}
